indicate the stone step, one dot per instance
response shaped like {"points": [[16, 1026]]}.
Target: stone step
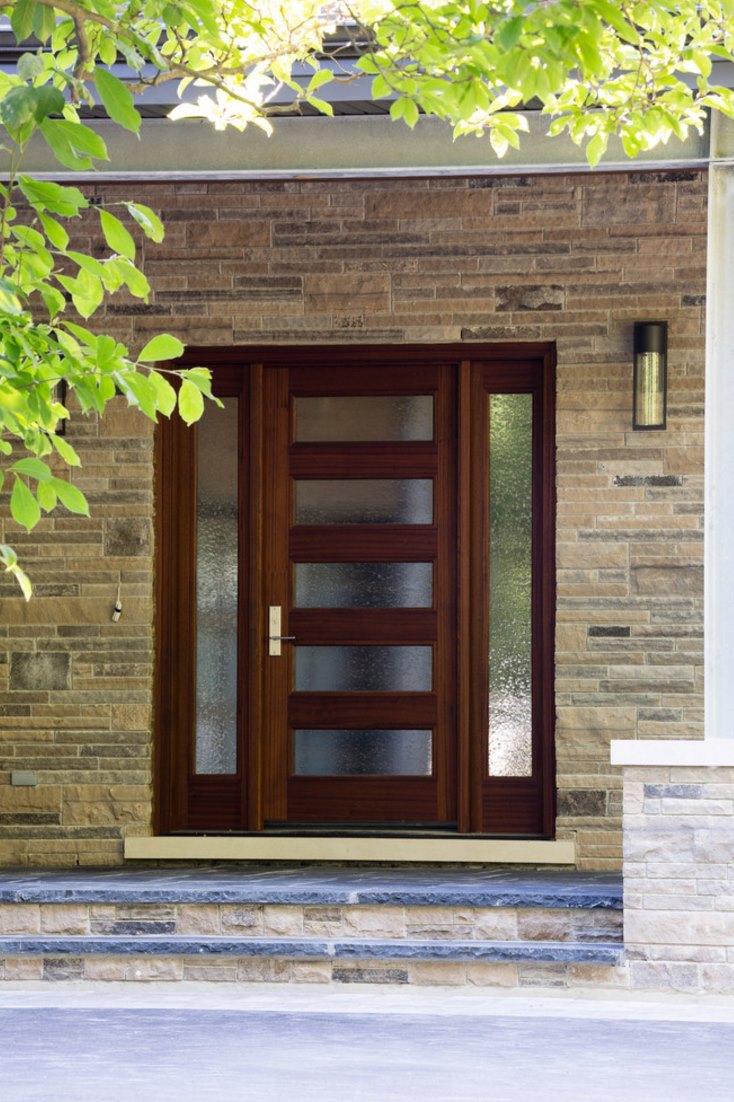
{"points": [[315, 948]]}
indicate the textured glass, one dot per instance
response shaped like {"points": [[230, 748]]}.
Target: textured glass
{"points": [[510, 578], [650, 396], [364, 669], [364, 585], [368, 417], [216, 591], [364, 501], [363, 753]]}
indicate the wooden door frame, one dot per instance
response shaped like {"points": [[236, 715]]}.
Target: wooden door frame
{"points": [[175, 451]]}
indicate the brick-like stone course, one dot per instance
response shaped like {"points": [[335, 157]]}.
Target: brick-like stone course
{"points": [[570, 259], [678, 895]]}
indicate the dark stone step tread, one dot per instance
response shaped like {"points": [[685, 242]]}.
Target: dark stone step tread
{"points": [[315, 948], [495, 886]]}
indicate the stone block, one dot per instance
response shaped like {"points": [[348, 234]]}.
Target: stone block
{"points": [[432, 973], [361, 972], [486, 974], [127, 537], [197, 919], [210, 971], [64, 918], [107, 969], [63, 968], [375, 921], [582, 802], [310, 971], [495, 924], [42, 670], [285, 920], [667, 581], [19, 918], [664, 975], [149, 969], [24, 968]]}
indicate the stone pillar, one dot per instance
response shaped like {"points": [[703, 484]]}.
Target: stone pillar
{"points": [[679, 795]]}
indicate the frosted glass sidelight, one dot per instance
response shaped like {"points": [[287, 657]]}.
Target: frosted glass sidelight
{"points": [[341, 753], [367, 417], [216, 591], [364, 585], [510, 584], [364, 501], [364, 669]]}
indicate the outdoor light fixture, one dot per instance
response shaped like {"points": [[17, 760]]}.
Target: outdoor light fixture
{"points": [[651, 375]]}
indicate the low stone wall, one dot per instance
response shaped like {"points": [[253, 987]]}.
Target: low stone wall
{"points": [[679, 877]]}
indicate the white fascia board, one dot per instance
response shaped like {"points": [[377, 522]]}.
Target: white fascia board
{"points": [[342, 146], [673, 752]]}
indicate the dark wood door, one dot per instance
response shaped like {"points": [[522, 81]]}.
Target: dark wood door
{"points": [[359, 545], [389, 512]]}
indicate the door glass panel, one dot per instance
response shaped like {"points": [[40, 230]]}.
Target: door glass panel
{"points": [[364, 585], [364, 669], [216, 591], [364, 501], [359, 753], [367, 417], [510, 584]]}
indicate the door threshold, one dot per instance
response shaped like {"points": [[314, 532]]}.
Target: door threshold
{"points": [[457, 849]]}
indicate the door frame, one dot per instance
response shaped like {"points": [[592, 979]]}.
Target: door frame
{"points": [[524, 807]]}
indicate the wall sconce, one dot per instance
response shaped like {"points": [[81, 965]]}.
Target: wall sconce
{"points": [[650, 384]]}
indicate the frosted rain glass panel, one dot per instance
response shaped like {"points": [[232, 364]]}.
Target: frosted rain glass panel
{"points": [[364, 669], [363, 753], [368, 417], [216, 591], [364, 501], [510, 584], [364, 585]]}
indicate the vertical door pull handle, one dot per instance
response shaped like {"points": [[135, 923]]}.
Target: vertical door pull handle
{"points": [[274, 627]]}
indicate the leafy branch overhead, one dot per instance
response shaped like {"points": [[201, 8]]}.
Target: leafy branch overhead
{"points": [[643, 71]]}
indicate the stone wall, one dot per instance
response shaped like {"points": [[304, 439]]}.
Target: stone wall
{"points": [[678, 892], [572, 259]]}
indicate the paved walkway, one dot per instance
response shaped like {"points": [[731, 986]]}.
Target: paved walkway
{"points": [[196, 1043]]}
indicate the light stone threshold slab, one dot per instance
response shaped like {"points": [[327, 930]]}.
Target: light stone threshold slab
{"points": [[365, 999], [277, 848]]}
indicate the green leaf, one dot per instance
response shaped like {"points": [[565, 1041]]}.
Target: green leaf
{"points": [[23, 505], [46, 496], [318, 80], [148, 221], [61, 148], [165, 394], [22, 15], [29, 66], [509, 33], [65, 450], [54, 231], [73, 499], [44, 22], [10, 560], [117, 99], [162, 347], [190, 402], [42, 195], [34, 468], [116, 236]]}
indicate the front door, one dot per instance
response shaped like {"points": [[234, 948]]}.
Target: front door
{"points": [[360, 579], [355, 597]]}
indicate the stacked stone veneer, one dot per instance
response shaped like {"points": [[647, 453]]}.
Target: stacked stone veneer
{"points": [[570, 259], [678, 877]]}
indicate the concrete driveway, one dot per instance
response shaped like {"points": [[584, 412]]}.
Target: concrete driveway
{"points": [[194, 1043]]}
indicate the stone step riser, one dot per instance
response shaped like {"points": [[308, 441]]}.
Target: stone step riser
{"points": [[516, 974], [446, 923]]}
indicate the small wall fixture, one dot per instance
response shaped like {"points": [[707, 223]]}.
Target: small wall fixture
{"points": [[651, 375]]}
